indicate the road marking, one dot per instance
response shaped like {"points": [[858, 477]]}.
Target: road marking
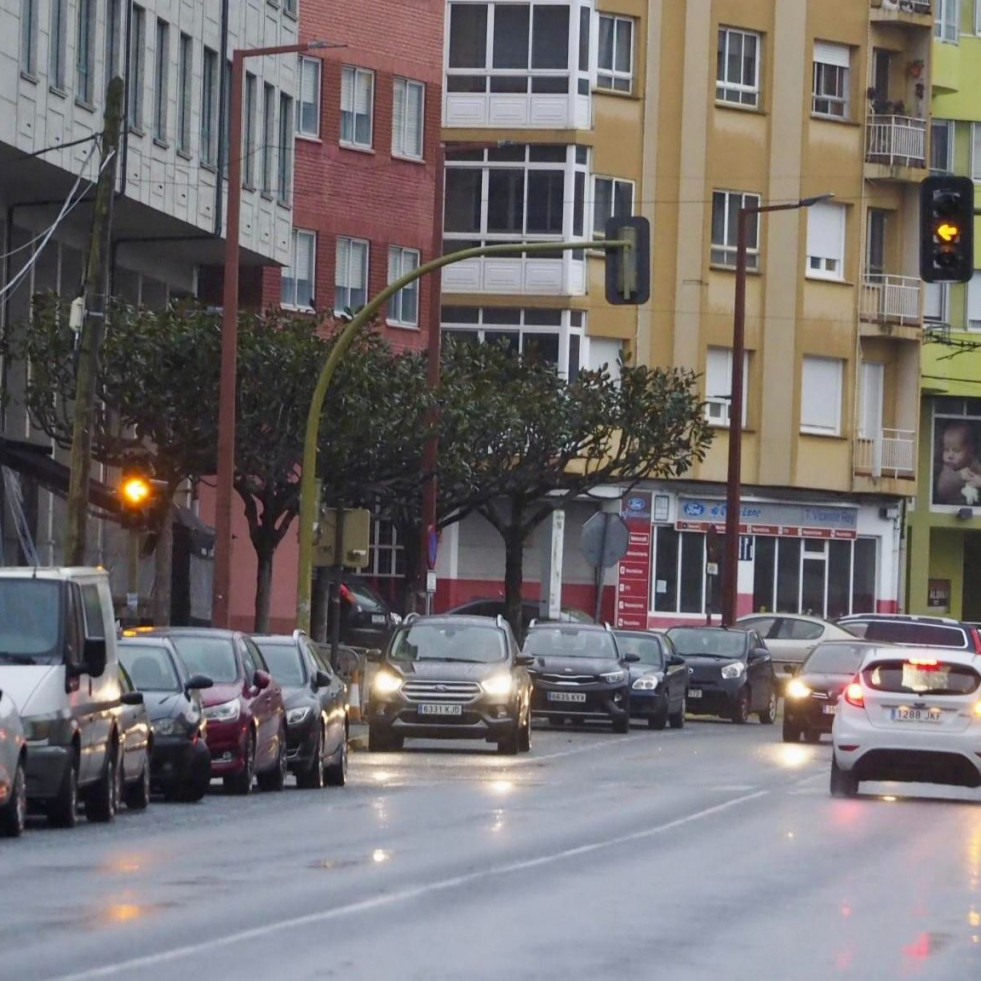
{"points": [[389, 899], [591, 748]]}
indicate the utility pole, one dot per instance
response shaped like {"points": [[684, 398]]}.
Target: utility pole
{"points": [[93, 329]]}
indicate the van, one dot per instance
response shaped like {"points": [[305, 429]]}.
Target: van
{"points": [[58, 663]]}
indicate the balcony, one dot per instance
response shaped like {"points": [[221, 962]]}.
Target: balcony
{"points": [[532, 275], [895, 141], [890, 453], [915, 13], [891, 300], [516, 100]]}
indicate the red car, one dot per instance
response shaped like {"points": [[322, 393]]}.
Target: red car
{"points": [[244, 711]]}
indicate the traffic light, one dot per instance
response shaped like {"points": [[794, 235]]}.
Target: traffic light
{"points": [[947, 229], [628, 267], [141, 498]]}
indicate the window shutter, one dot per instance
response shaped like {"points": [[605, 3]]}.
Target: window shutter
{"points": [[359, 256], [831, 54], [718, 372], [308, 82], [347, 95], [820, 409], [825, 230], [974, 300], [343, 261], [363, 104], [399, 132], [413, 119]]}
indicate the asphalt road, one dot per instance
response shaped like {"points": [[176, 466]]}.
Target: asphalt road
{"points": [[713, 852]]}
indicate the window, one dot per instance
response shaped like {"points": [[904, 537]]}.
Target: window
{"points": [[285, 162], [403, 308], [57, 44], [386, 555], [85, 52], [820, 395], [299, 276], [357, 98], [113, 30], [973, 302], [350, 275], [942, 145], [185, 67], [160, 81], [976, 151], [225, 94], [737, 77], [611, 198], [209, 108], [407, 118], [826, 241], [308, 105], [726, 206], [290, 7], [137, 56], [268, 136], [248, 163], [946, 20], [28, 36], [679, 571], [936, 302], [718, 385], [614, 57], [830, 90], [870, 399]]}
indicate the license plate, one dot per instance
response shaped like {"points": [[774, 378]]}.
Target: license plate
{"points": [[694, 692], [440, 710], [377, 618], [567, 696], [904, 714], [829, 709]]}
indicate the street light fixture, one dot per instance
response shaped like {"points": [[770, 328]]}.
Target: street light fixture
{"points": [[730, 568]]}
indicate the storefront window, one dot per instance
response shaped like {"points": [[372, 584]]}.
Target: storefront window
{"points": [[863, 590], [788, 575], [839, 579], [666, 571]]}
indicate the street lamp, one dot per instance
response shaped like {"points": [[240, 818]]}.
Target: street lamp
{"points": [[229, 331], [730, 567]]}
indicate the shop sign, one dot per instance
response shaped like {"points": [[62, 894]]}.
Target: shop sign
{"points": [[938, 594], [634, 569], [770, 518]]}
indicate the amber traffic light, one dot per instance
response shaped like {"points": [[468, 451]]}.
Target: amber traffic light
{"points": [[140, 497], [947, 229]]}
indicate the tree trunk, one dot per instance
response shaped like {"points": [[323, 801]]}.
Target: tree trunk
{"points": [[318, 605], [514, 542], [163, 561], [263, 586]]}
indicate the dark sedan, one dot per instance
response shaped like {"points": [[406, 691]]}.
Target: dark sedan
{"points": [[658, 681], [180, 764], [730, 672], [579, 674], [811, 696], [316, 709]]}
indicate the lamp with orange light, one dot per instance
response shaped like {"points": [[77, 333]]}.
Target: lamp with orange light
{"points": [[140, 499]]}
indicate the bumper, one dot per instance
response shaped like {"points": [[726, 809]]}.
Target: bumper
{"points": [[46, 767], [301, 743], [175, 760], [490, 720], [226, 743], [606, 704], [809, 713], [705, 698], [644, 704]]}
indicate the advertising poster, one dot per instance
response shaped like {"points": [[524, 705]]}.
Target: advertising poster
{"points": [[956, 467]]}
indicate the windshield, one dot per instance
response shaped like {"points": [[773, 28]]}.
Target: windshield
{"points": [[449, 642], [922, 677], [835, 659], [285, 663], [910, 632], [364, 597], [213, 657], [692, 642], [149, 668], [30, 620], [646, 647], [570, 642]]}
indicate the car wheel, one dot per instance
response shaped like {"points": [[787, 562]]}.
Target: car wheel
{"points": [[335, 774], [524, 741], [275, 779], [740, 711], [63, 810], [843, 783], [137, 795], [622, 724], [677, 719], [312, 778], [379, 741], [769, 714], [195, 785], [791, 733], [658, 720], [14, 815], [241, 782], [509, 744], [812, 736], [102, 801]]}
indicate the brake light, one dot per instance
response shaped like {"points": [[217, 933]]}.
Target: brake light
{"points": [[854, 696], [346, 594], [977, 709], [928, 663], [976, 637]]}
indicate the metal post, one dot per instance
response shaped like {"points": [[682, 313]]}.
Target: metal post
{"points": [[600, 568], [335, 591]]}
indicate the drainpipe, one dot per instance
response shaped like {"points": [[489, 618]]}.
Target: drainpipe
{"points": [[222, 143]]}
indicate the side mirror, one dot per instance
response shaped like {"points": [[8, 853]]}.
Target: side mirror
{"points": [[523, 660], [198, 681], [321, 680], [676, 661], [630, 659], [373, 654], [759, 654], [94, 656], [261, 679], [131, 698]]}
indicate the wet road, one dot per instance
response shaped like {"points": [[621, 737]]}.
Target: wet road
{"points": [[713, 852]]}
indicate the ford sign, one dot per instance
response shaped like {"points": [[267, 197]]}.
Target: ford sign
{"points": [[694, 509], [636, 504]]}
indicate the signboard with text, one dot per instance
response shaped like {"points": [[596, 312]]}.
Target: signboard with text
{"points": [[770, 518], [634, 569]]}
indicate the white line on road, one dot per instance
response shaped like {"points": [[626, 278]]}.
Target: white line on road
{"points": [[389, 899]]}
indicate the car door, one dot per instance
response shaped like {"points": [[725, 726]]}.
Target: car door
{"points": [[675, 675], [333, 698], [263, 704], [759, 671]]}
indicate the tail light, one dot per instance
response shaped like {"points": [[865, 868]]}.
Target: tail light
{"points": [[976, 637], [854, 696], [926, 663]]}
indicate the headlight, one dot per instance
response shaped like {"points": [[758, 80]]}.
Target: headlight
{"points": [[225, 712], [297, 715], [395, 619], [169, 727], [797, 689], [500, 684], [646, 683], [736, 670], [612, 677], [386, 683]]}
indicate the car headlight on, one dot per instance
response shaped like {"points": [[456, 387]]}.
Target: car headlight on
{"points": [[499, 684], [797, 689], [612, 677], [647, 682], [736, 670], [169, 727], [296, 715], [225, 712], [386, 683]]}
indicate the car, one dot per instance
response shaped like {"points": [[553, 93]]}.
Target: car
{"points": [[180, 763], [658, 681], [366, 618], [914, 630], [912, 714], [13, 770], [134, 745], [811, 695], [579, 674], [244, 708], [451, 677], [530, 611], [730, 672], [790, 637], [316, 709]]}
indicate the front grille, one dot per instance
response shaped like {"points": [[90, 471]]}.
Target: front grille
{"points": [[569, 679], [456, 692]]}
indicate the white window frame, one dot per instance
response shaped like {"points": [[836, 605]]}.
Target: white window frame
{"points": [[972, 303], [723, 254], [137, 57], [948, 164], [608, 77], [210, 69], [719, 404], [161, 79], [947, 21], [402, 260], [342, 276], [58, 46], [976, 146], [311, 66], [284, 162], [249, 102], [85, 52], [618, 186], [288, 281], [185, 91], [739, 93], [351, 81], [815, 393], [267, 177], [28, 36], [832, 63], [401, 89], [942, 314], [830, 267]]}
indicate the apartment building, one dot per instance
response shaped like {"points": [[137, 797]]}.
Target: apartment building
{"points": [[685, 112], [944, 542]]}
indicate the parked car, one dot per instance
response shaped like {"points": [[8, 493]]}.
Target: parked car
{"points": [[579, 674], [911, 714], [658, 680], [730, 672], [366, 618], [316, 709], [449, 677], [244, 709], [180, 763], [134, 745], [13, 770], [530, 610], [790, 637], [918, 631], [811, 696]]}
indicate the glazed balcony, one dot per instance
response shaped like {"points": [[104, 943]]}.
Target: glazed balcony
{"points": [[528, 274], [516, 100]]}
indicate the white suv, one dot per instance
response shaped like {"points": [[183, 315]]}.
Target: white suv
{"points": [[911, 714]]}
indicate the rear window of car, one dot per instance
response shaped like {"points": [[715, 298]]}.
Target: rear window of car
{"points": [[911, 632], [921, 677], [568, 641]]}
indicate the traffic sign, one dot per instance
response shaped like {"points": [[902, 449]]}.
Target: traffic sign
{"points": [[432, 544], [605, 538]]}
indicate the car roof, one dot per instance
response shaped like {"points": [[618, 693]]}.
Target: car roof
{"points": [[455, 619], [633, 632], [718, 630], [190, 632], [569, 625], [809, 618], [947, 655], [902, 618]]}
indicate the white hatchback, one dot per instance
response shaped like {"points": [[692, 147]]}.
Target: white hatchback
{"points": [[911, 714]]}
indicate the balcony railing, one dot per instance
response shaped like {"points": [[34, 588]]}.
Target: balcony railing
{"points": [[905, 6], [890, 453], [891, 299], [896, 140]]}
